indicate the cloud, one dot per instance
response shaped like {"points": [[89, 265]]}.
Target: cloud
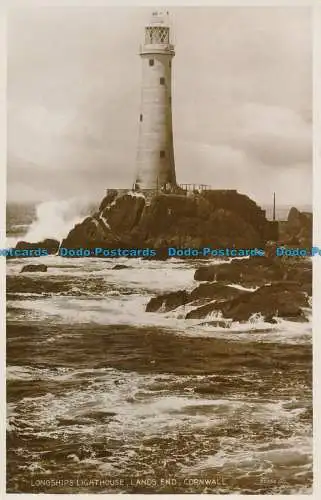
{"points": [[274, 136]]}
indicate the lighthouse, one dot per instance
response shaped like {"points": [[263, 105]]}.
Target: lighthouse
{"points": [[155, 165]]}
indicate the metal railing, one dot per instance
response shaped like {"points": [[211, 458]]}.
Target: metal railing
{"points": [[195, 187]]}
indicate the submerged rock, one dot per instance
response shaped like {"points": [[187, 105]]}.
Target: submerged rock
{"points": [[50, 245], [202, 311], [167, 301], [34, 268]]}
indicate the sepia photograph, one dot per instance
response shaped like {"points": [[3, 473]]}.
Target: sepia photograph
{"points": [[159, 250]]}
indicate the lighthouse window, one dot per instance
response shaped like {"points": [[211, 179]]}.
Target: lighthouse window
{"points": [[162, 154], [151, 62], [140, 117], [162, 81], [170, 64]]}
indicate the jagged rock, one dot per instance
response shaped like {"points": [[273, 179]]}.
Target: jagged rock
{"points": [[205, 273], [90, 233], [168, 301], [34, 268], [120, 266], [178, 221], [163, 220], [109, 198], [14, 284], [124, 213], [258, 271], [238, 203], [297, 219], [251, 272], [291, 283], [111, 227], [248, 272], [214, 291], [297, 230], [202, 311], [50, 245], [203, 291], [280, 299]]}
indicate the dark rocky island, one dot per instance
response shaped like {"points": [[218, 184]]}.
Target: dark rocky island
{"points": [[222, 218], [211, 218]]}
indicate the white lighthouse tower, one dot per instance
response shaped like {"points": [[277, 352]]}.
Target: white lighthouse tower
{"points": [[155, 154]]}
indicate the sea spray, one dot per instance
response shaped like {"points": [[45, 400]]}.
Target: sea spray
{"points": [[55, 218]]}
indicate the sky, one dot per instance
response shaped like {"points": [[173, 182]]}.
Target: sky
{"points": [[242, 100]]}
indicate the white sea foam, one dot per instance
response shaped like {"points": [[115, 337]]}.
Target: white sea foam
{"points": [[253, 455], [246, 289], [25, 373], [142, 406], [142, 274], [130, 310], [135, 194], [54, 219], [142, 280], [136, 408], [134, 411], [243, 457]]}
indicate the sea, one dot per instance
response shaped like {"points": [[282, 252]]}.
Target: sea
{"points": [[103, 397]]}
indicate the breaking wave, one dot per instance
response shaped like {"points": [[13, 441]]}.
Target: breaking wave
{"points": [[54, 219], [99, 294]]}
